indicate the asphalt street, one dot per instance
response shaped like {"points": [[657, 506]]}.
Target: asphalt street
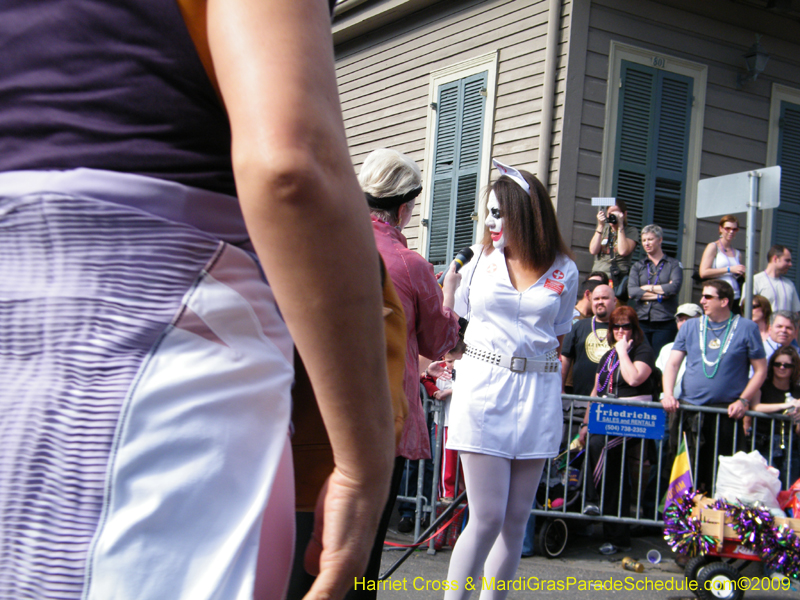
{"points": [[579, 572]]}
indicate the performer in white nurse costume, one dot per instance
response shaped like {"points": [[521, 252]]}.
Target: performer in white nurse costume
{"points": [[517, 293]]}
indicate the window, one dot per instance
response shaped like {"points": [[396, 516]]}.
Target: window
{"points": [[786, 229], [652, 149], [461, 99], [456, 164], [652, 143]]}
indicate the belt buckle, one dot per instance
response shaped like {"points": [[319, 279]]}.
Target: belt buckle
{"points": [[520, 369]]}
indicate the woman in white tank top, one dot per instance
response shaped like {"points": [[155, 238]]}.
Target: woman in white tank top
{"points": [[721, 260]]}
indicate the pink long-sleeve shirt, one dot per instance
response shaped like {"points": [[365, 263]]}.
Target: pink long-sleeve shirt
{"points": [[432, 328]]}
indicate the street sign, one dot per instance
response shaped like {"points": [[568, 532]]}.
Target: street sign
{"points": [[730, 194]]}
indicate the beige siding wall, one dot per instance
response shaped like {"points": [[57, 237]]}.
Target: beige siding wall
{"points": [[734, 137], [384, 79]]}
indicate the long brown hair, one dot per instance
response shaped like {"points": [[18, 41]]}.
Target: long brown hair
{"points": [[791, 353], [766, 307], [619, 314], [529, 222]]}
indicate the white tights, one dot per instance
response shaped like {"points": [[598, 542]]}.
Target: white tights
{"points": [[500, 492]]}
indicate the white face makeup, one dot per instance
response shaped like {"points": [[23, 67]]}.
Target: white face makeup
{"points": [[494, 221]]}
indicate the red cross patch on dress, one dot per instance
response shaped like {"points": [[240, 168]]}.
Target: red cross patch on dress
{"points": [[558, 274], [554, 285]]}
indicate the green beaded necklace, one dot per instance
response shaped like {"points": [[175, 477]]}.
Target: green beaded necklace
{"points": [[704, 343]]}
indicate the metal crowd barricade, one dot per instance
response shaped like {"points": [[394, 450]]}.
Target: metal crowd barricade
{"points": [[648, 471], [653, 470]]}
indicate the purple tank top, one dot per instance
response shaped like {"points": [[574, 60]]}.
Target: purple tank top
{"points": [[109, 84]]}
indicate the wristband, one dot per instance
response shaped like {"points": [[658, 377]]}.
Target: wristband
{"points": [[744, 401], [729, 268]]}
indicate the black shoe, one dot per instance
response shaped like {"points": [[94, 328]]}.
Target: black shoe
{"points": [[406, 525]]}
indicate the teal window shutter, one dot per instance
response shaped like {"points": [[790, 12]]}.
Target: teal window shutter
{"points": [[786, 222], [652, 149], [456, 165]]}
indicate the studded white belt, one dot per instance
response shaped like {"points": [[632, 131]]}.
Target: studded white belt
{"points": [[544, 363]]}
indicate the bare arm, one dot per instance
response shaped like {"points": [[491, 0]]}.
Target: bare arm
{"points": [[597, 237], [566, 363], [633, 372], [707, 260], [737, 409], [300, 200], [625, 245], [674, 362]]}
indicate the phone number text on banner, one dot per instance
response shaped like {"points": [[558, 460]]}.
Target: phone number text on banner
{"points": [[629, 421]]}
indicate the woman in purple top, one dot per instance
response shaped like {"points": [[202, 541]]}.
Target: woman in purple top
{"points": [[145, 152]]}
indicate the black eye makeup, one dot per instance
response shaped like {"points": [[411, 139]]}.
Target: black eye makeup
{"points": [[495, 212]]}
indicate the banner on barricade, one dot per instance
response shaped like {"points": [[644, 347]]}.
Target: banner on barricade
{"points": [[628, 421]]}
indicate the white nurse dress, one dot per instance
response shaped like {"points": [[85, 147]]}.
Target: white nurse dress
{"points": [[493, 410]]}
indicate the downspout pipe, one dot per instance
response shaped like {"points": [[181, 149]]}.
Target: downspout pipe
{"points": [[549, 92]]}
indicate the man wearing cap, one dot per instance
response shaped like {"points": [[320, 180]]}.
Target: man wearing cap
{"points": [[772, 284], [684, 313], [718, 349]]}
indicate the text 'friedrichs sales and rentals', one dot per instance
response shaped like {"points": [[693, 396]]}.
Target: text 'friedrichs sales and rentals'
{"points": [[630, 421]]}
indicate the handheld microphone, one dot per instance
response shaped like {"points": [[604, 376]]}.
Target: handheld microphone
{"points": [[461, 259]]}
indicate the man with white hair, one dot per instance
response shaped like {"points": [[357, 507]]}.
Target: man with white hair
{"points": [[782, 332]]}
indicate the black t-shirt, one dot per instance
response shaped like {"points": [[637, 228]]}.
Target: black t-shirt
{"points": [[642, 353], [772, 395], [585, 348]]}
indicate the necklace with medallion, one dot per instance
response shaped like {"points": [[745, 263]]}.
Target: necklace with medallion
{"points": [[715, 343], [725, 343], [594, 331]]}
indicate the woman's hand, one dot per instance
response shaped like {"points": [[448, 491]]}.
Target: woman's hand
{"points": [[451, 282], [601, 218], [738, 270], [623, 345]]}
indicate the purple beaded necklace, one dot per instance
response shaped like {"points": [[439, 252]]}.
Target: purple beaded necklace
{"points": [[609, 367]]}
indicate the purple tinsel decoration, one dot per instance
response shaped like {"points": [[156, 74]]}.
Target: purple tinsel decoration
{"points": [[778, 546]]}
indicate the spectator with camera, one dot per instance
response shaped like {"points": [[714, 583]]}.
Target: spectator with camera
{"points": [[612, 245]]}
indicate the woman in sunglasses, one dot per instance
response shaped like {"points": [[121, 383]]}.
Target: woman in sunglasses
{"points": [[779, 392], [722, 261], [762, 314], [623, 372]]}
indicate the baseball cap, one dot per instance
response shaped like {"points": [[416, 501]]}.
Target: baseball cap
{"points": [[689, 310]]}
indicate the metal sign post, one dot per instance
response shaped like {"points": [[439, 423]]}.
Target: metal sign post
{"points": [[748, 192], [752, 207]]}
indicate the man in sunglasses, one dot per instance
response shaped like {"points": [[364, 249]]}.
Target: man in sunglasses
{"points": [[719, 349], [772, 283]]}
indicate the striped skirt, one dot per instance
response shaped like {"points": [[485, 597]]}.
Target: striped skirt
{"points": [[145, 374]]}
